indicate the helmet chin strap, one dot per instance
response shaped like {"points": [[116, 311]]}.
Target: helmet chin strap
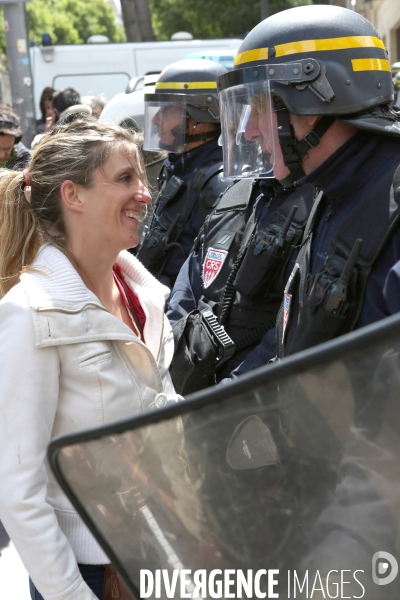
{"points": [[203, 137], [293, 150]]}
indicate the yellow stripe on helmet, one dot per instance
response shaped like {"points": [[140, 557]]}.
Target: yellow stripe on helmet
{"points": [[339, 43], [370, 64], [251, 56], [182, 85]]}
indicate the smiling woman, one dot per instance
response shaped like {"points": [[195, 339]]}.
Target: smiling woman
{"points": [[85, 321]]}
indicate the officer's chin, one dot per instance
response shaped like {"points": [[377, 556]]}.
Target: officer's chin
{"points": [[167, 147]]}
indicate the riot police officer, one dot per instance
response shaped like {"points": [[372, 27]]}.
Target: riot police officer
{"points": [[233, 281], [182, 117], [318, 97]]}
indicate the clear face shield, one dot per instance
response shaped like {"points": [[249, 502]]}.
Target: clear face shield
{"points": [[248, 122], [165, 124], [247, 130]]}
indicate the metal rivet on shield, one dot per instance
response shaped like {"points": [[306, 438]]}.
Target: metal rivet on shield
{"points": [[379, 85], [255, 73], [271, 72], [347, 81], [186, 85], [296, 71]]}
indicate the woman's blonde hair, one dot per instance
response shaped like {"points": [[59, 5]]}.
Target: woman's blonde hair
{"points": [[71, 151]]}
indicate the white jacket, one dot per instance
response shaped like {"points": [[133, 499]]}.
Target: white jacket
{"points": [[67, 364]]}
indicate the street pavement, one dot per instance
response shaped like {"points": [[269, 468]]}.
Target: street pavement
{"points": [[13, 576]]}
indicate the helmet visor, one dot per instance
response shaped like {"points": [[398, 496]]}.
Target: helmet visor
{"points": [[247, 133], [165, 126]]}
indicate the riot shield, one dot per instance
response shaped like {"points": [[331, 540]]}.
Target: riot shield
{"points": [[283, 484]]}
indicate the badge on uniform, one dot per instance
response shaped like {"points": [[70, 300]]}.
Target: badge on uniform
{"points": [[212, 265], [287, 300]]}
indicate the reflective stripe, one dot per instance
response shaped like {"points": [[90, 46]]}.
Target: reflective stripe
{"points": [[182, 85], [251, 55], [339, 43], [370, 64]]}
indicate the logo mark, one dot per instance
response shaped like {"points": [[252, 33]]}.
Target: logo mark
{"points": [[212, 265], [384, 564]]}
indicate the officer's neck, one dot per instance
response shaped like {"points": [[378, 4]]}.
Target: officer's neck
{"points": [[332, 140]]}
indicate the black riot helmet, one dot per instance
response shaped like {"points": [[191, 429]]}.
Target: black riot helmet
{"points": [[310, 60], [187, 88]]}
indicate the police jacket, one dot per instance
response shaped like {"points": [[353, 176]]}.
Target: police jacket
{"points": [[195, 182], [355, 181], [237, 266]]}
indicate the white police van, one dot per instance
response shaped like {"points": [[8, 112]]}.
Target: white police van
{"points": [[106, 68]]}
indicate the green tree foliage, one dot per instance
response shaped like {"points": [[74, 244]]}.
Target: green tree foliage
{"points": [[72, 21], [68, 21], [211, 18]]}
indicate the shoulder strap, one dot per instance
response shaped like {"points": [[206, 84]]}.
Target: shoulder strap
{"points": [[237, 195], [203, 174], [313, 217], [228, 294], [302, 198]]}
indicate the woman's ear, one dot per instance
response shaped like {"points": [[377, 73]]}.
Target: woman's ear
{"points": [[70, 196]]}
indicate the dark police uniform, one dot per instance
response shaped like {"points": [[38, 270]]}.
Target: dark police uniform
{"points": [[236, 268], [366, 161], [206, 162]]}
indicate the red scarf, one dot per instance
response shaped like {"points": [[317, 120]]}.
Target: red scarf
{"points": [[126, 293]]}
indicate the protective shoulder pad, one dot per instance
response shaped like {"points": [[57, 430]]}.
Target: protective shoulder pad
{"points": [[237, 195]]}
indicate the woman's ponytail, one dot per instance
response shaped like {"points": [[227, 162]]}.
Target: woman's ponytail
{"points": [[20, 236]]}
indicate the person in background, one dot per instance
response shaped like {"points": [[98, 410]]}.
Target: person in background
{"points": [[96, 103], [46, 110], [84, 339], [62, 100], [13, 153], [66, 107]]}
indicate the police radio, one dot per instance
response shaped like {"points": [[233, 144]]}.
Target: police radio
{"points": [[275, 244], [336, 292], [172, 188]]}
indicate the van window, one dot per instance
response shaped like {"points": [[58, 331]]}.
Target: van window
{"points": [[92, 84]]}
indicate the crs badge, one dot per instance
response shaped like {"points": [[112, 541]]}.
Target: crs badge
{"points": [[212, 265], [287, 300]]}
